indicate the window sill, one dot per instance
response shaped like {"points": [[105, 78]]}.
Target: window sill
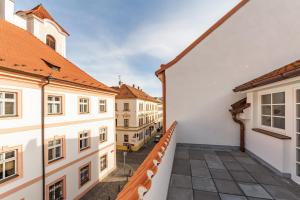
{"points": [[272, 134], [84, 149], [9, 179], [56, 160]]}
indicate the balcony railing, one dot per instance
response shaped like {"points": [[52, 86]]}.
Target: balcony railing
{"points": [[153, 174]]}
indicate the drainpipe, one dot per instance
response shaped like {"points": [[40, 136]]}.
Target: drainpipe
{"points": [[242, 130], [43, 134]]}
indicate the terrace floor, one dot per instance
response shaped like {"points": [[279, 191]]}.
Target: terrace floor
{"points": [[211, 174]]}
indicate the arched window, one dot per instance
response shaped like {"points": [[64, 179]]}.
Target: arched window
{"points": [[50, 41]]}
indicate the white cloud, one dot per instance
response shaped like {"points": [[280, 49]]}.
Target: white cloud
{"points": [[161, 37]]}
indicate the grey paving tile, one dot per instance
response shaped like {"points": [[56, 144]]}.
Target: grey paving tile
{"points": [[220, 174], [203, 195], [253, 198], [196, 155], [254, 190], [198, 163], [256, 168], [232, 197], [223, 153], [241, 176], [181, 181], [233, 165], [180, 194], [228, 187], [181, 154], [227, 158], [265, 178], [199, 171], [238, 153], [245, 160], [279, 192], [181, 166], [203, 184]]}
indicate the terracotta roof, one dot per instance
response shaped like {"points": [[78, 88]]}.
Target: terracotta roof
{"points": [[163, 67], [128, 92], [288, 71], [21, 52], [41, 13], [141, 179]]}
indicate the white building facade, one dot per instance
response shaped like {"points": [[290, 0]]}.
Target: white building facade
{"points": [[247, 42], [57, 124], [136, 118]]}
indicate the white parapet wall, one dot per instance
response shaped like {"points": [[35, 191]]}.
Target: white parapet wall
{"points": [[160, 182]]}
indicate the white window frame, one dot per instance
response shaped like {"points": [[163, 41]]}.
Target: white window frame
{"points": [[54, 148], [52, 104], [103, 134], [84, 105], [3, 162], [103, 162], [126, 108], [85, 169], [271, 128], [55, 186], [127, 123], [102, 104], [84, 136], [4, 100]]}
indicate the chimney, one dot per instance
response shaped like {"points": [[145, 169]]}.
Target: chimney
{"points": [[138, 87], [7, 9], [133, 86]]}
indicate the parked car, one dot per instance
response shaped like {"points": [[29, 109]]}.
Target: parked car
{"points": [[157, 138]]}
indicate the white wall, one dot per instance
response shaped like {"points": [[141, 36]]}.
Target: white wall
{"points": [[160, 182], [255, 40]]}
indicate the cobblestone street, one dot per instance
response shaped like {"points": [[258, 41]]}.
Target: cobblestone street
{"points": [[109, 188]]}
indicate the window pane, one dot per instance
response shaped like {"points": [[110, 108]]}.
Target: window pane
{"points": [[10, 154], [298, 126], [50, 154], [298, 96], [266, 121], [9, 95], [58, 152], [278, 110], [279, 122], [298, 110], [266, 110], [266, 99], [9, 108], [1, 171], [278, 97], [10, 168]]}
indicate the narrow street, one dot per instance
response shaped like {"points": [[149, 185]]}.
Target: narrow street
{"points": [[109, 188]]}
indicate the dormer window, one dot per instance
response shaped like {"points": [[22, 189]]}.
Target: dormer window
{"points": [[50, 41]]}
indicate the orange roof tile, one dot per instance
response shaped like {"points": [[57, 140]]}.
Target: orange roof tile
{"points": [[23, 53], [163, 67], [41, 13], [128, 92], [288, 71]]}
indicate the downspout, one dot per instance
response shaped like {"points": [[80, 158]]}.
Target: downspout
{"points": [[242, 130], [43, 134], [164, 88]]}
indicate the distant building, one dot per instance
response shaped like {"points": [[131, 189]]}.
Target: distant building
{"points": [[57, 131], [137, 117]]}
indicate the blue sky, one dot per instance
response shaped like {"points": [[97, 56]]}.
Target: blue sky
{"points": [[130, 38]]}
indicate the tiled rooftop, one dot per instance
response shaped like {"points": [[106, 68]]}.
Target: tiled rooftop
{"points": [[214, 174]]}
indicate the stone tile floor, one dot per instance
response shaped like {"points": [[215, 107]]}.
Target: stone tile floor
{"points": [[208, 174]]}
